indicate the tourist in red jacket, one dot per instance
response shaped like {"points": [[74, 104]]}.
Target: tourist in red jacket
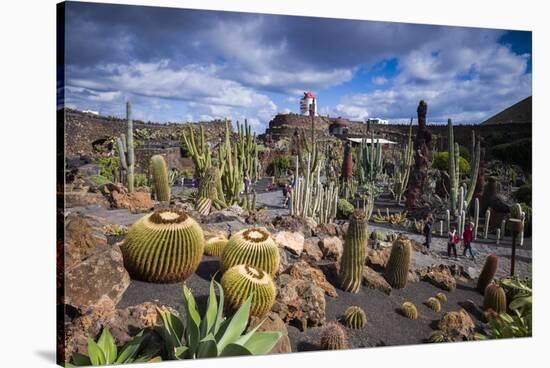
{"points": [[467, 238]]}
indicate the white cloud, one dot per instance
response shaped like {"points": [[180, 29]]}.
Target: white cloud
{"points": [[352, 112]]}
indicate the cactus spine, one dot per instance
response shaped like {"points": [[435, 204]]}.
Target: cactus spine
{"points": [[494, 298], [241, 281], [403, 169], [333, 337], [164, 246], [409, 310], [397, 268], [434, 304], [353, 257], [487, 221], [488, 272], [355, 318], [161, 184], [253, 247], [125, 145]]}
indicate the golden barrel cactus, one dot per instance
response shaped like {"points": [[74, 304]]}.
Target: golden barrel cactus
{"points": [[164, 246], [214, 246]]}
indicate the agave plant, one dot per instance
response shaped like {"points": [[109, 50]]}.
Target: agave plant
{"points": [[213, 335], [105, 351]]}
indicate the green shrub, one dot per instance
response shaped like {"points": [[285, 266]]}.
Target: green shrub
{"points": [[465, 153], [141, 180], [97, 180], [518, 152], [280, 165], [441, 162], [108, 166], [344, 209]]}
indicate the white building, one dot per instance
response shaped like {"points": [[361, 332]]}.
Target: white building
{"points": [[307, 102], [377, 121]]}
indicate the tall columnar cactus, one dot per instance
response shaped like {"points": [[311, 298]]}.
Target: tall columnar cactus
{"points": [[403, 169], [397, 268], [409, 310], [448, 220], [210, 194], [355, 317], [474, 169], [487, 222], [355, 248], [231, 166], [488, 272], [254, 247], [241, 281], [200, 153], [333, 337], [125, 145], [498, 236], [452, 170], [434, 304], [370, 159], [476, 217], [164, 246], [494, 298], [214, 246], [161, 183]]}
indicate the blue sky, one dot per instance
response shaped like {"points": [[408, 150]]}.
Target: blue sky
{"points": [[183, 65]]}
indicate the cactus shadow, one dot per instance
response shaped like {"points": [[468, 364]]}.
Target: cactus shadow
{"points": [[307, 346], [209, 269]]}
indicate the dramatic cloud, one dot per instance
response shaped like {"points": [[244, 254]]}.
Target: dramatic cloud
{"points": [[183, 65]]}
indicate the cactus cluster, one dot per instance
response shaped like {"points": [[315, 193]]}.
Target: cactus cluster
{"points": [[494, 298], [392, 218], [402, 170], [488, 272], [125, 145], [200, 153], [161, 182], [434, 304], [214, 246], [355, 248], [164, 246], [355, 317], [397, 268], [371, 160], [409, 310], [254, 247], [333, 337], [241, 281], [441, 297], [209, 194]]}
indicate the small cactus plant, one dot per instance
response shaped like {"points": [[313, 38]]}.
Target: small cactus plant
{"points": [[441, 297], [208, 190], [355, 247], [333, 337], [164, 246], [355, 317], [241, 281], [254, 247], [214, 246], [409, 310], [494, 298], [397, 269], [161, 183], [488, 272], [433, 304]]}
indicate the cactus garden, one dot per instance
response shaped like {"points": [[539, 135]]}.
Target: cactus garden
{"points": [[223, 237]]}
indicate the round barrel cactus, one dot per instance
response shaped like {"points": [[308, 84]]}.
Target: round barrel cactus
{"points": [[355, 248], [161, 183], [333, 337], [409, 310], [488, 272], [397, 269], [355, 317], [164, 246], [241, 281], [441, 296], [254, 247], [494, 298], [434, 304], [214, 246]]}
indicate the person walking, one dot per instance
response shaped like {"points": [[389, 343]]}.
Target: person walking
{"points": [[453, 241], [285, 194], [428, 232], [467, 238], [246, 184]]}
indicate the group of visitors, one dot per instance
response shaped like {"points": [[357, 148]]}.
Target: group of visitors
{"points": [[453, 238]]}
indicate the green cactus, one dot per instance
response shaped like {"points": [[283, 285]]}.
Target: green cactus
{"points": [[201, 154], [441, 297], [452, 169], [161, 184], [254, 247], [476, 217], [164, 246], [403, 169], [487, 221], [488, 272], [355, 317], [241, 281], [397, 268], [333, 337], [355, 248], [516, 211], [125, 145], [409, 310], [434, 304], [214, 246], [210, 194], [371, 160], [494, 298], [474, 169]]}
